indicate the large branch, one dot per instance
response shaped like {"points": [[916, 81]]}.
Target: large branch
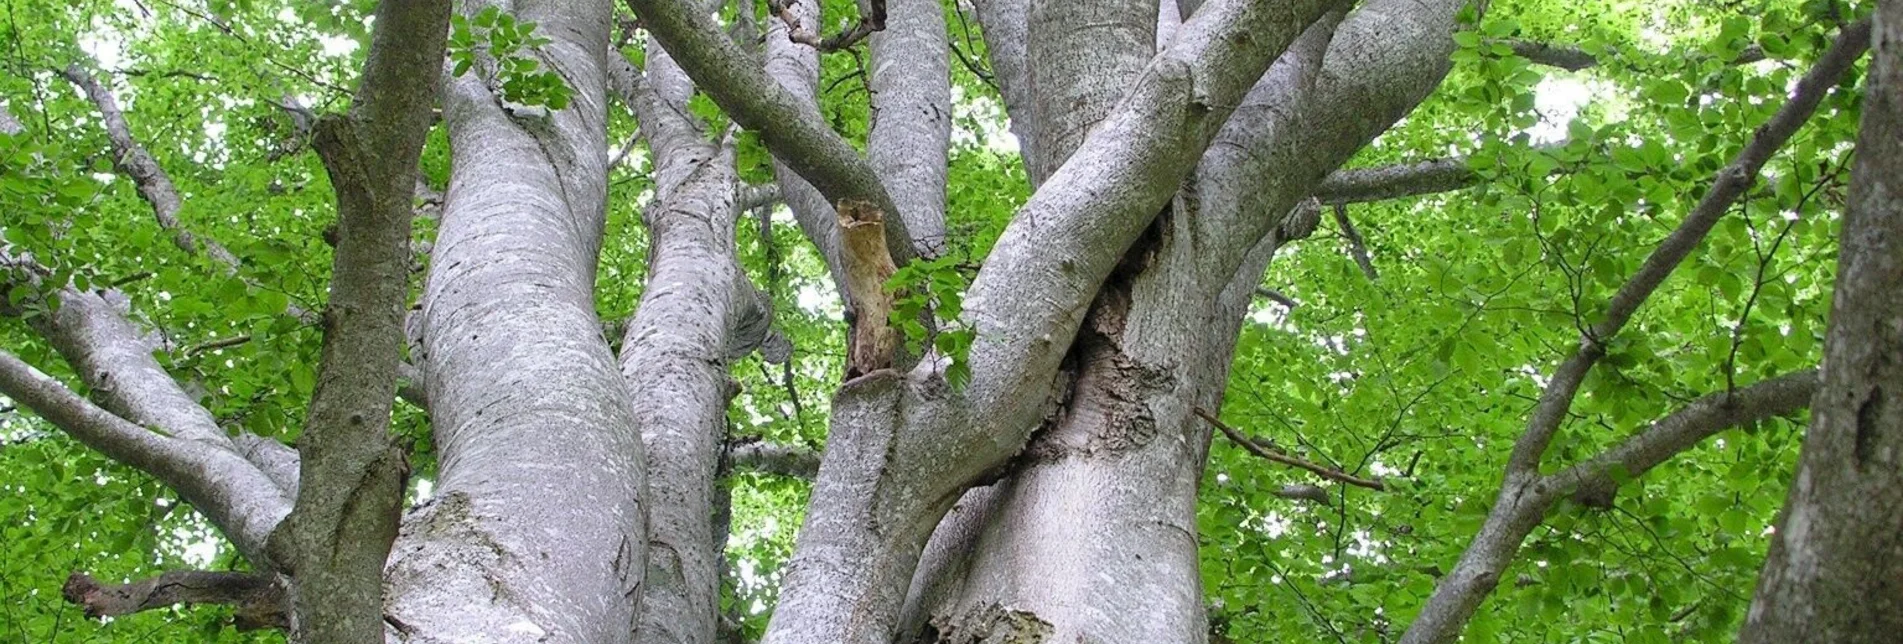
{"points": [[674, 354], [903, 447], [1515, 516], [795, 133], [352, 473], [1005, 25], [1381, 183], [795, 67], [1730, 183], [231, 493], [910, 81], [257, 599]]}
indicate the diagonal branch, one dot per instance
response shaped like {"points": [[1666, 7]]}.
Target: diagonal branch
{"points": [[1730, 183], [1594, 480], [1356, 246], [137, 164], [1255, 448], [230, 492], [795, 133]]}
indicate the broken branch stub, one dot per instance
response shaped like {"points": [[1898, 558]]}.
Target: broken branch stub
{"points": [[873, 341]]}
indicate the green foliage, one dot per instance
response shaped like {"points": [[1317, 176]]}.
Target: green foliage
{"points": [[935, 285], [510, 46]]}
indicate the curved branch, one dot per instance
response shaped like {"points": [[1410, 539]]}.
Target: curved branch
{"points": [[1521, 508], [1731, 182], [233, 494], [793, 131]]}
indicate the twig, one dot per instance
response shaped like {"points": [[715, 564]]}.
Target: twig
{"points": [[1276, 296], [1256, 449], [214, 345], [873, 20], [1355, 244]]}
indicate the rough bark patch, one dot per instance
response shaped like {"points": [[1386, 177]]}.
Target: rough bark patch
{"points": [[988, 624]]}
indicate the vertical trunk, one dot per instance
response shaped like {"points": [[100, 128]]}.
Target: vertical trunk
{"points": [[911, 116], [1082, 58], [675, 361], [536, 533], [352, 473], [1835, 571]]}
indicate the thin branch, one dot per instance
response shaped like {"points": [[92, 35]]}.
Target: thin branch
{"points": [[1730, 183], [213, 345], [1276, 296], [1257, 449], [873, 20], [1572, 58], [1355, 245], [137, 164]]}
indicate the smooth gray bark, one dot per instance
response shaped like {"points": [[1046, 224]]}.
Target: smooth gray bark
{"points": [[536, 531], [1835, 571], [910, 81], [795, 68], [1081, 58], [675, 360], [886, 477]]}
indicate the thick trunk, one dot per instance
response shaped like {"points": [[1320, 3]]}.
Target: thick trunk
{"points": [[1835, 571], [674, 357], [536, 532], [1095, 536]]}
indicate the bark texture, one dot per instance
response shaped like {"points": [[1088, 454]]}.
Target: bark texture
{"points": [[352, 473], [675, 358], [537, 528], [1835, 571]]}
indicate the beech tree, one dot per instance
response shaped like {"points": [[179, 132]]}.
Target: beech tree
{"points": [[913, 321]]}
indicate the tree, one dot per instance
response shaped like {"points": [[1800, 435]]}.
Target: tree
{"points": [[1833, 568], [1034, 337]]}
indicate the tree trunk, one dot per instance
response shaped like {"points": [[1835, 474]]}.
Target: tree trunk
{"points": [[1835, 571], [537, 529]]}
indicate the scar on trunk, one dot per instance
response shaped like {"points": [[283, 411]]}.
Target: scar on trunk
{"points": [[987, 624]]}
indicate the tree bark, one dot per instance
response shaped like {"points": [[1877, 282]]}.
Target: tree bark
{"points": [[537, 529], [675, 360], [352, 474], [1835, 571]]}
